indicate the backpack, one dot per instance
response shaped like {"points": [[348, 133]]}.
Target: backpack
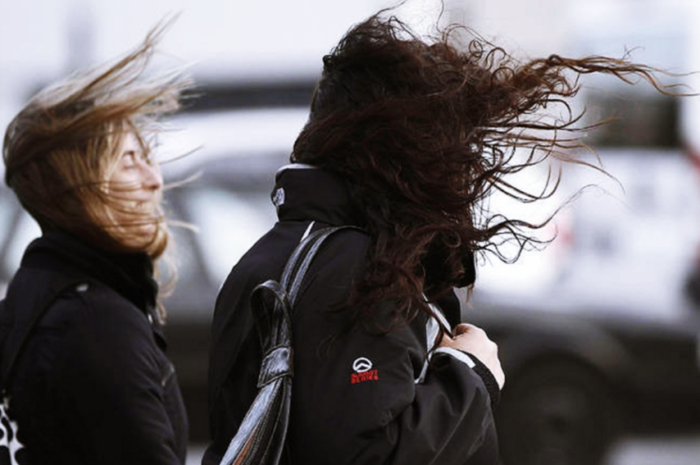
{"points": [[11, 449], [260, 439]]}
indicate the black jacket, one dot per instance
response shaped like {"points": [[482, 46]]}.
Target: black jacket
{"points": [[92, 384], [355, 396]]}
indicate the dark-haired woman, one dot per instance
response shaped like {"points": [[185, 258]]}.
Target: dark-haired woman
{"points": [[92, 384], [405, 140]]}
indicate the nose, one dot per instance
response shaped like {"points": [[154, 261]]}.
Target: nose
{"points": [[152, 177]]}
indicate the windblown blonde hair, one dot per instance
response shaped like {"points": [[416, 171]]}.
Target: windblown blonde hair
{"points": [[60, 149]]}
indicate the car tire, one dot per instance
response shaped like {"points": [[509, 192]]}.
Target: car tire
{"points": [[557, 412]]}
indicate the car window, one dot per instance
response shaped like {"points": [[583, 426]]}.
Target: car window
{"points": [[229, 223]]}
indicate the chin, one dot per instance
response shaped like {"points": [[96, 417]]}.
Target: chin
{"points": [[151, 238]]}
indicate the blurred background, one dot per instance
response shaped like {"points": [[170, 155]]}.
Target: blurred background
{"points": [[598, 332]]}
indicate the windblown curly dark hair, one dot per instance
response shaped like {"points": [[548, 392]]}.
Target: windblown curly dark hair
{"points": [[424, 131]]}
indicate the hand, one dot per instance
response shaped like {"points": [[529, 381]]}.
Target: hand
{"points": [[472, 339]]}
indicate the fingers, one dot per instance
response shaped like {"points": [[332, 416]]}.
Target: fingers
{"points": [[466, 327], [474, 340]]}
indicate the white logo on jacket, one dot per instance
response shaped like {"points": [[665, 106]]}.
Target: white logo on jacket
{"points": [[363, 371], [278, 198], [361, 365]]}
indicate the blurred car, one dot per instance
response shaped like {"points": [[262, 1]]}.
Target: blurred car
{"points": [[579, 372], [577, 381], [597, 334]]}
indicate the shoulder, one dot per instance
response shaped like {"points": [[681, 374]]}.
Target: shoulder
{"points": [[106, 339], [93, 327], [344, 251], [62, 299], [88, 330], [93, 305], [338, 263]]}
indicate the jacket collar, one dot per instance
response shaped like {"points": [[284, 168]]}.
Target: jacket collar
{"points": [[129, 274], [306, 193]]}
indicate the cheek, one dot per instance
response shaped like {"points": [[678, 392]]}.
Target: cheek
{"points": [[123, 177], [123, 187]]}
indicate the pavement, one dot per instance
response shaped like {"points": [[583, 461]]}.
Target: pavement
{"points": [[676, 450]]}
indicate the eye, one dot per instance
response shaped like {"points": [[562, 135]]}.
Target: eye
{"points": [[146, 157], [129, 159]]}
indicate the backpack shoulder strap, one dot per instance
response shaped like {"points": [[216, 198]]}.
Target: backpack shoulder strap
{"points": [[39, 289], [273, 322], [300, 260]]}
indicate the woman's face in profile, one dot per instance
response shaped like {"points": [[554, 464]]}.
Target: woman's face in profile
{"points": [[135, 186]]}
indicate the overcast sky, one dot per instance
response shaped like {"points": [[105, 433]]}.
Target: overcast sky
{"points": [[38, 34], [48, 37], [41, 40]]}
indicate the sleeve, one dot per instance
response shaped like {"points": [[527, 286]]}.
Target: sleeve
{"points": [[479, 368], [355, 398], [109, 388], [359, 403], [450, 305]]}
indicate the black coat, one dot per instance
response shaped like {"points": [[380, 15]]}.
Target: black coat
{"points": [[343, 413], [92, 384]]}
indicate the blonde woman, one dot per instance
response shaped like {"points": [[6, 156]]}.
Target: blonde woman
{"points": [[92, 383]]}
